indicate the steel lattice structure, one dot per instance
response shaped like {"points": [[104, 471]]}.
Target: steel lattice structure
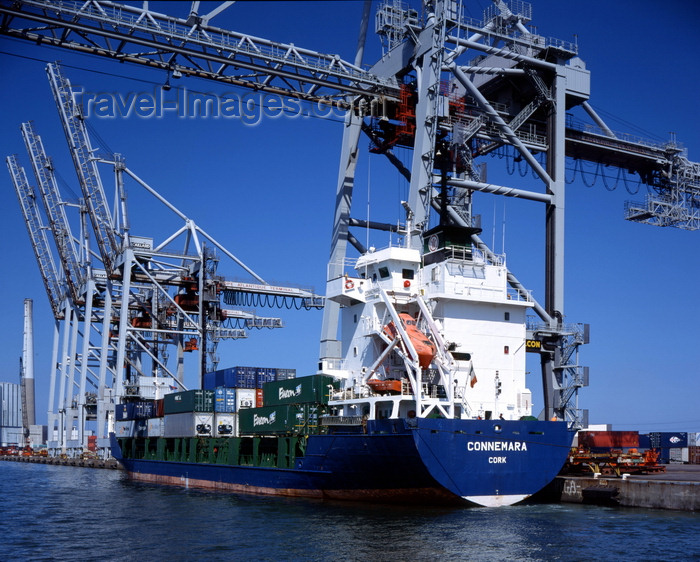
{"points": [[452, 89]]}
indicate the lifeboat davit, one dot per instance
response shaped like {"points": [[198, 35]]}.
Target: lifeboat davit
{"points": [[423, 346]]}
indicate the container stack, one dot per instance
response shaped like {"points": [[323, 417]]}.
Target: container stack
{"points": [[189, 414], [237, 401], [246, 377], [673, 446], [131, 418], [290, 407]]}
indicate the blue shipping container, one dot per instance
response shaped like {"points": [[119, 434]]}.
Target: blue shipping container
{"points": [[144, 410], [668, 439], [135, 410], [123, 412], [209, 381], [674, 439], [264, 375], [285, 374], [231, 377], [239, 377], [225, 400]]}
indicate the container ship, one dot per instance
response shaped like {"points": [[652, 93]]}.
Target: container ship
{"points": [[429, 403]]}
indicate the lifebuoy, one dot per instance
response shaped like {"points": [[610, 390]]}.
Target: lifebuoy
{"points": [[349, 284], [407, 284]]}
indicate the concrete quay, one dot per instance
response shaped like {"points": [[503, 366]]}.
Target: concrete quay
{"points": [[87, 462], [678, 488]]}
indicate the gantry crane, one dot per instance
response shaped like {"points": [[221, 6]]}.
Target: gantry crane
{"points": [[155, 296], [56, 289], [454, 90], [70, 408]]}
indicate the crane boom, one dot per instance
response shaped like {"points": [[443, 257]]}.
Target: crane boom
{"points": [[192, 47], [85, 165], [55, 210], [37, 236]]}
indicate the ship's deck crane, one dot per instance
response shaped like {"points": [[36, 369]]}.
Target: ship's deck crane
{"points": [[447, 83]]}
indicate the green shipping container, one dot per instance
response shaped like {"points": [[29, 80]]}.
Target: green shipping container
{"points": [[315, 389], [281, 419], [189, 401]]}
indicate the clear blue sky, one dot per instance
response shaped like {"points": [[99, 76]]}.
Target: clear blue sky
{"points": [[267, 192]]}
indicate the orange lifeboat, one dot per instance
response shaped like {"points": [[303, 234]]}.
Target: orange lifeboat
{"points": [[423, 346], [389, 386]]}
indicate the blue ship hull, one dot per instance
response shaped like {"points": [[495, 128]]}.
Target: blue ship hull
{"points": [[417, 460]]}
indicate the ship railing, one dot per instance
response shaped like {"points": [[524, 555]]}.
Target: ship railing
{"points": [[484, 293], [473, 255], [339, 268], [534, 324], [519, 295], [340, 420]]}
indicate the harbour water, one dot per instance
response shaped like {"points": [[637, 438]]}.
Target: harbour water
{"points": [[66, 513]]}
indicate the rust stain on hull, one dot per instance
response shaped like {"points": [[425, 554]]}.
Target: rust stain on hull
{"points": [[390, 495]]}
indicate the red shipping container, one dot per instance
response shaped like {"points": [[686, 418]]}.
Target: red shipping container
{"points": [[92, 443], [694, 455], [259, 403], [608, 439], [159, 408]]}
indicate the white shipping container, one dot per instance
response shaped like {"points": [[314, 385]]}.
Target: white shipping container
{"points": [[678, 454], [694, 439], [153, 388], [225, 425], [245, 398], [155, 427], [188, 424], [130, 428]]}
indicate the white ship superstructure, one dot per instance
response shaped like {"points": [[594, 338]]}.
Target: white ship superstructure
{"points": [[470, 323]]}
